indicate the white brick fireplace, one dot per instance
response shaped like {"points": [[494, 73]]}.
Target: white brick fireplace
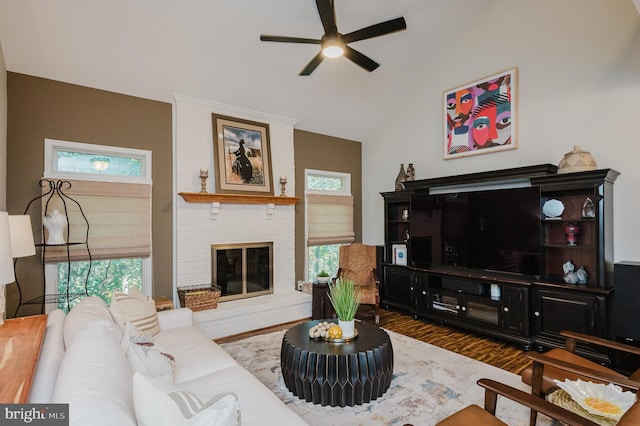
{"points": [[198, 225]]}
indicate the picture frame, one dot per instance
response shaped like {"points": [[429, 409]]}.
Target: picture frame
{"points": [[242, 156], [481, 117]]}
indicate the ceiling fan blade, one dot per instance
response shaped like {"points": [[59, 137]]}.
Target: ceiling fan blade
{"points": [[360, 59], [327, 12], [313, 64], [285, 39], [377, 30]]}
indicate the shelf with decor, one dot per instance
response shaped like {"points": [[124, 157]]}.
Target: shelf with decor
{"points": [[205, 197]]}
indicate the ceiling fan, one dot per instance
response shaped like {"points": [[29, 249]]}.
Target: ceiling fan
{"points": [[334, 44]]}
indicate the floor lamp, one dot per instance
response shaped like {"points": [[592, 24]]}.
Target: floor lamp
{"points": [[21, 243], [6, 261]]}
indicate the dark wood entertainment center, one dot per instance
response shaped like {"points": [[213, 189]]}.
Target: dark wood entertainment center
{"points": [[529, 309]]}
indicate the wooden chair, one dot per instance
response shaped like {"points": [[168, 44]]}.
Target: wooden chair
{"points": [[358, 263], [563, 363], [476, 416]]}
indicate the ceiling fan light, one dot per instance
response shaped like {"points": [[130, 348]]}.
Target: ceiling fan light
{"points": [[333, 51]]}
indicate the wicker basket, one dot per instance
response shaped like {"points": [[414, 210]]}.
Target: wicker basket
{"points": [[199, 298]]}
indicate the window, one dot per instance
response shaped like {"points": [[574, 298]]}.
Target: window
{"points": [[329, 221], [113, 187]]}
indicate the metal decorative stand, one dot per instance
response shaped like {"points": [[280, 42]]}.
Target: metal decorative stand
{"points": [[57, 188]]}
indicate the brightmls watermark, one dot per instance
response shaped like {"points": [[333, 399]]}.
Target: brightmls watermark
{"points": [[34, 414]]}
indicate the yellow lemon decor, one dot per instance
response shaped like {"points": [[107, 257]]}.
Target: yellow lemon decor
{"points": [[334, 332]]}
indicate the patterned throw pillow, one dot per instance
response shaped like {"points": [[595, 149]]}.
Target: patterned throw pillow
{"points": [[146, 356], [159, 403], [137, 309]]}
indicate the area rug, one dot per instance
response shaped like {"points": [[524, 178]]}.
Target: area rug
{"points": [[429, 383]]}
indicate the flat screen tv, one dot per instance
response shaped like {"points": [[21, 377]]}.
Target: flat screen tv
{"points": [[495, 230]]}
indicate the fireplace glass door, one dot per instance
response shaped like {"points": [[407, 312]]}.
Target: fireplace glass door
{"points": [[242, 270]]}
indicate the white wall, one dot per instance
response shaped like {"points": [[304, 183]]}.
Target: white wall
{"points": [[3, 132], [197, 228], [579, 84]]}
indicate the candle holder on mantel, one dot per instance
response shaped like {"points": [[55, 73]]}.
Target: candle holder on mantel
{"points": [[283, 184], [204, 174]]}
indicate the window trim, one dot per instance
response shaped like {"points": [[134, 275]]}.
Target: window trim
{"points": [[52, 146]]}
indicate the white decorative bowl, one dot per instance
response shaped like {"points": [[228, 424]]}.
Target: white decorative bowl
{"points": [[603, 400], [553, 208]]}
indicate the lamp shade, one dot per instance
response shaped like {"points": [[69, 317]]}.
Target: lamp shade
{"points": [[21, 236], [6, 260]]}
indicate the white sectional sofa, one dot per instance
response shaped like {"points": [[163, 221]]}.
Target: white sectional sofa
{"points": [[83, 363]]}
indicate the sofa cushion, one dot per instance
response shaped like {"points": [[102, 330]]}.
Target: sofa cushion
{"points": [[95, 380], [146, 356], [90, 310], [158, 403], [196, 355], [259, 405], [51, 354], [135, 308]]}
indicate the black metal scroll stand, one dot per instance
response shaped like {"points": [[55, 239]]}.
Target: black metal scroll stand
{"points": [[56, 188]]}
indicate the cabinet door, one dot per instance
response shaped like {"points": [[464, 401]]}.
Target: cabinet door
{"points": [[398, 288], [556, 311], [515, 309], [421, 290]]}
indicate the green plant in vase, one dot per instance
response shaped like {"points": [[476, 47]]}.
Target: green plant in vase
{"points": [[345, 298], [323, 277]]}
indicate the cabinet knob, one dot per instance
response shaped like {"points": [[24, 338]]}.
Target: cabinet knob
{"points": [[536, 313], [411, 288], [424, 293], [458, 307], [506, 309], [464, 308]]}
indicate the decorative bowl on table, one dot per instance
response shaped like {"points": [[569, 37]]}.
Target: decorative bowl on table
{"points": [[602, 400]]}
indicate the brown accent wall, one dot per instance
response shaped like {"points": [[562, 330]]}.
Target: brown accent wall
{"points": [[321, 152], [39, 108]]}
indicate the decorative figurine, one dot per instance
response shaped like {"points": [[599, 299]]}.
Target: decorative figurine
{"points": [[571, 231], [569, 276], [588, 209], [283, 184], [411, 172], [55, 223], [582, 275]]}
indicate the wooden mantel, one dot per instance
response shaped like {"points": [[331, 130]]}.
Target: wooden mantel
{"points": [[199, 197]]}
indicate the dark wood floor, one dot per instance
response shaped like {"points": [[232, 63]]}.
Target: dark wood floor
{"points": [[497, 353]]}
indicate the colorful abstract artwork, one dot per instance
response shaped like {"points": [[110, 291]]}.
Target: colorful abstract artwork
{"points": [[480, 117]]}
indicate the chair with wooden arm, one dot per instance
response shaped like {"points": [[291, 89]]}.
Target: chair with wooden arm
{"points": [[563, 363], [474, 415]]}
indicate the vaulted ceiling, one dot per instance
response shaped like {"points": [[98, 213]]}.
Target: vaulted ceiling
{"points": [[211, 50]]}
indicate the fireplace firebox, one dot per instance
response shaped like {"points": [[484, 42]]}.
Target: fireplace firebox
{"points": [[242, 270]]}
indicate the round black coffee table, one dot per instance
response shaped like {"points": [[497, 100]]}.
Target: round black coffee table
{"points": [[337, 374]]}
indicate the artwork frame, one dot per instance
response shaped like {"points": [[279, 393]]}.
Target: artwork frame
{"points": [[480, 117], [249, 172]]}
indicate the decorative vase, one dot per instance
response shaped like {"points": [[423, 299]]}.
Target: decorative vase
{"points": [[411, 172], [571, 231], [401, 178], [55, 223], [348, 328], [405, 214]]}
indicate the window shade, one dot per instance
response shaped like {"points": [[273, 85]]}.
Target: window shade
{"points": [[119, 216], [329, 219]]}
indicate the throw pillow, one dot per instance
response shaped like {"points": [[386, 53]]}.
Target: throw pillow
{"points": [[131, 308], [159, 403], [146, 356]]}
